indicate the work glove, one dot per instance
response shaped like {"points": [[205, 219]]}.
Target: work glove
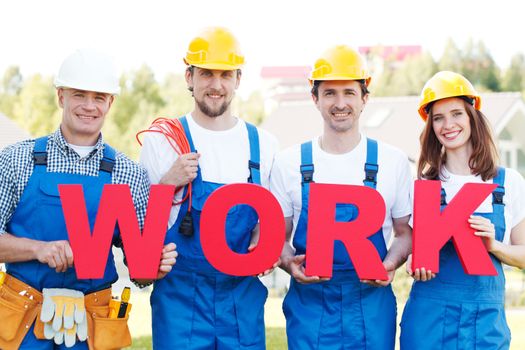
{"points": [[67, 336], [64, 315]]}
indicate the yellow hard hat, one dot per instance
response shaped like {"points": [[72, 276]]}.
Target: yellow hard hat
{"points": [[340, 63], [215, 48], [446, 84]]}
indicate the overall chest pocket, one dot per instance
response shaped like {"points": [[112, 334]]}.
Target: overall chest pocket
{"points": [[49, 209]]}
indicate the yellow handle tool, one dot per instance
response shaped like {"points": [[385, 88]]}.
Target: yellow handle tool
{"points": [[120, 309]]}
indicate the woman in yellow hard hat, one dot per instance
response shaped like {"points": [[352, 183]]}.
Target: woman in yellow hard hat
{"points": [[451, 309]]}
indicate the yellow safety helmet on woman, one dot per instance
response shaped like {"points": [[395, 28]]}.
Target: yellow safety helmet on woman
{"points": [[340, 63], [446, 84], [215, 48]]}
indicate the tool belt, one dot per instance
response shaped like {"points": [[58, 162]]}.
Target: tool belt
{"points": [[20, 307]]}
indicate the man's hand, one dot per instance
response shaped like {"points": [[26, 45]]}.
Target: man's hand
{"points": [[56, 254], [252, 246], [419, 274], [183, 171], [167, 259], [390, 268], [294, 266]]}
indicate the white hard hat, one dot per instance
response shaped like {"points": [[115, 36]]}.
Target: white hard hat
{"points": [[89, 70]]}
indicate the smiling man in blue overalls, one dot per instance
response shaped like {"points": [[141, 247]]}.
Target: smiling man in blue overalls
{"points": [[41, 281], [342, 312], [196, 306]]}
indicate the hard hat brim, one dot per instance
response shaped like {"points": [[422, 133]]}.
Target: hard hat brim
{"points": [[214, 66]]}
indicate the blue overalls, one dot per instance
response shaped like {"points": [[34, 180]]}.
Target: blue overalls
{"points": [[456, 310], [342, 313], [197, 307], [39, 216]]}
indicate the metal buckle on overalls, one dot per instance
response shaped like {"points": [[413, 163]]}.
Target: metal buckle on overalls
{"points": [[252, 166], [371, 172], [40, 158], [307, 172], [497, 195], [106, 165], [443, 197]]}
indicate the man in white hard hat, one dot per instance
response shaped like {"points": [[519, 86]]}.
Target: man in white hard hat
{"points": [[196, 306], [42, 302]]}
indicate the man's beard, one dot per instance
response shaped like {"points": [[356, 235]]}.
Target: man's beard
{"points": [[210, 112]]}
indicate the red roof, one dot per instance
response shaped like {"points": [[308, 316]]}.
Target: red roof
{"points": [[288, 72], [399, 53]]}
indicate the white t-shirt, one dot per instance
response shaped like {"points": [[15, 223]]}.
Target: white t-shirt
{"points": [[224, 155], [514, 198], [393, 178], [82, 151]]}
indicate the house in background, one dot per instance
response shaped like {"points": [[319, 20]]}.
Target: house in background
{"points": [[293, 117], [10, 132]]}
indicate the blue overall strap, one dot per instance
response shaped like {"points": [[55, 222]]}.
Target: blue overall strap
{"points": [[198, 180], [307, 166], [371, 166], [40, 154], [184, 123], [498, 207], [443, 197], [499, 192], [254, 162], [107, 163]]}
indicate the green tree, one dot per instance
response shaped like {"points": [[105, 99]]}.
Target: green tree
{"points": [[382, 85], [177, 98], [514, 78], [250, 109], [10, 89], [131, 112], [479, 67], [36, 109], [451, 58], [404, 78], [412, 75]]}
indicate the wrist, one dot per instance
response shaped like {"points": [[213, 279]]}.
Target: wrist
{"points": [[285, 263], [35, 248], [495, 247], [141, 283]]}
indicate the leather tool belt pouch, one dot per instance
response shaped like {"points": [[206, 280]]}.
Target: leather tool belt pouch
{"points": [[20, 307]]}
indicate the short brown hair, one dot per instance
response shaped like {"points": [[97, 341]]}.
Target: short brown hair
{"points": [[315, 87], [483, 160]]}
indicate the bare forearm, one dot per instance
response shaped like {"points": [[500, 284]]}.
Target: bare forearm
{"points": [[399, 250], [401, 246], [513, 255], [288, 252], [17, 249], [287, 255]]}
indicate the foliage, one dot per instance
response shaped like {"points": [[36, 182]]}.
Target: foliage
{"points": [[514, 77], [31, 101]]}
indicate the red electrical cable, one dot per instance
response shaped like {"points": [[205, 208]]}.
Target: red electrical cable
{"points": [[173, 130]]}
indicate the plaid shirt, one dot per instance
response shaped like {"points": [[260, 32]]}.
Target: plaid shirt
{"points": [[16, 167]]}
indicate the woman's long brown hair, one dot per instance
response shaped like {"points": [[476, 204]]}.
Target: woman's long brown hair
{"points": [[484, 157]]}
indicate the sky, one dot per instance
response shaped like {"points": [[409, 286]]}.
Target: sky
{"points": [[37, 35]]}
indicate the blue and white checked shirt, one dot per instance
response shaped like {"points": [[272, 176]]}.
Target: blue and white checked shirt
{"points": [[16, 167]]}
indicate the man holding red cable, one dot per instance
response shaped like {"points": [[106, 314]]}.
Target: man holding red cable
{"points": [[196, 306]]}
